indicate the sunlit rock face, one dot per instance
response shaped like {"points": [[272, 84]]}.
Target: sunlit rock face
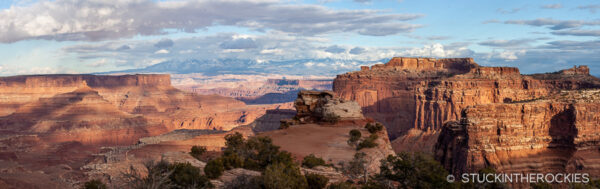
{"points": [[424, 93], [110, 110], [554, 134]]}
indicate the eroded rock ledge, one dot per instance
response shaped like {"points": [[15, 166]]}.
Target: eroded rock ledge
{"points": [[319, 106], [558, 134]]}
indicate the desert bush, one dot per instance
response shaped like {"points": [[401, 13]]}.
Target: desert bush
{"points": [[157, 177], [331, 118], [231, 161], [244, 182], [311, 161], [251, 164], [415, 170], [184, 175], [214, 168], [94, 184], [341, 185], [255, 153], [368, 142], [540, 185], [316, 181], [197, 151], [593, 184], [355, 135], [234, 143], [357, 167], [280, 175], [284, 125], [374, 127]]}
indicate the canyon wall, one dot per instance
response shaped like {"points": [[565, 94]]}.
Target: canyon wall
{"points": [[424, 93], [555, 134], [111, 110]]}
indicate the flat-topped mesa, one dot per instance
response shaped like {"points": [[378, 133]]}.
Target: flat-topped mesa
{"points": [[106, 81], [318, 106], [576, 70], [283, 82], [460, 65], [495, 72]]}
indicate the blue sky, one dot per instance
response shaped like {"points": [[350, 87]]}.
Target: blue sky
{"points": [[78, 36]]}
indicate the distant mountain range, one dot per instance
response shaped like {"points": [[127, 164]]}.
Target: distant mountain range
{"points": [[324, 67]]}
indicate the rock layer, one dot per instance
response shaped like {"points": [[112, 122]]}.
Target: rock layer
{"points": [[555, 134], [115, 110], [424, 93]]}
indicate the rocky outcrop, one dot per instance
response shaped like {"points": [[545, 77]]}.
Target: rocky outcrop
{"points": [[317, 106], [555, 134], [424, 93]]}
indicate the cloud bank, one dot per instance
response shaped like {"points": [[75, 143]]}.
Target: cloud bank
{"points": [[94, 20]]}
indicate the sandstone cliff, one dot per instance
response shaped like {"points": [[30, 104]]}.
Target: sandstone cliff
{"points": [[111, 110], [554, 134], [424, 93]]}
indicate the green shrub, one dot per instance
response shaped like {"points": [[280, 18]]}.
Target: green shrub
{"points": [[197, 151], [255, 153], [355, 135], [244, 182], [251, 164], [368, 142], [593, 184], [341, 185], [374, 127], [331, 118], [234, 142], [157, 176], [540, 185], [311, 161], [316, 181], [284, 125], [231, 161], [357, 167], [214, 168], [280, 175], [416, 170], [94, 184], [187, 176]]}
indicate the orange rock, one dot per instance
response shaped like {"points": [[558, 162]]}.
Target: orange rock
{"points": [[555, 134], [424, 93]]}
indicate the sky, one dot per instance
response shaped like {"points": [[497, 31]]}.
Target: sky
{"points": [[87, 36]]}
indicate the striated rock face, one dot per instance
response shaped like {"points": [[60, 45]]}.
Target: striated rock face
{"points": [[111, 110], [556, 134], [315, 106], [82, 115], [424, 93]]}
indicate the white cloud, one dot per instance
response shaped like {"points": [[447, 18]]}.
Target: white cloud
{"points": [[439, 51], [99, 63], [186, 51], [271, 51], [162, 51], [112, 19]]}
